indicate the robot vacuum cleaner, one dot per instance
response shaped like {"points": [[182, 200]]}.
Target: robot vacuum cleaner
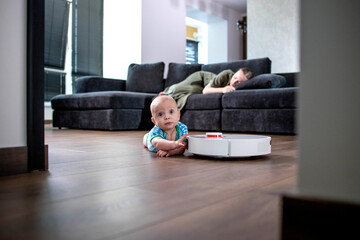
{"points": [[232, 145]]}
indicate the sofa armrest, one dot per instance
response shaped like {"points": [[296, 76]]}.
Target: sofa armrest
{"points": [[291, 79], [96, 84]]}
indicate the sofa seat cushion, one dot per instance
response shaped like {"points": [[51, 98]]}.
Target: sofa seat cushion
{"points": [[202, 120], [278, 121], [103, 119], [103, 100], [204, 101], [273, 98]]}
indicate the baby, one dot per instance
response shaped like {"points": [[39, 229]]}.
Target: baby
{"points": [[168, 136]]}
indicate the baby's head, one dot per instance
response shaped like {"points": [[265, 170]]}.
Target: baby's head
{"points": [[242, 75], [164, 111]]}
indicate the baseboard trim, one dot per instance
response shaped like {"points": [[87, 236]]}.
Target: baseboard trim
{"points": [[46, 157], [14, 160], [308, 218], [47, 121]]}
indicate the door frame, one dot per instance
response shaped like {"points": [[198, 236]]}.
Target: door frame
{"points": [[35, 85]]}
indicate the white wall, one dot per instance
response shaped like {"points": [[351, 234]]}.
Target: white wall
{"points": [[217, 42], [273, 31], [13, 73], [329, 101], [122, 37], [164, 29], [202, 37], [48, 111], [213, 38], [234, 50]]}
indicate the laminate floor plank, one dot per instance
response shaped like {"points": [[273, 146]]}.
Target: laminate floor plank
{"points": [[106, 185], [169, 201], [120, 211], [241, 217], [70, 187]]}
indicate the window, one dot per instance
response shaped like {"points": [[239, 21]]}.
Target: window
{"points": [[56, 28], [54, 84], [85, 18], [55, 41], [87, 40], [192, 51]]}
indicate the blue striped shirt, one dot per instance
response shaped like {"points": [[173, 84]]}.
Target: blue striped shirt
{"points": [[181, 130]]}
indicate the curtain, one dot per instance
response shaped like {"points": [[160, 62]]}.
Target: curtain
{"points": [[87, 55], [55, 37]]}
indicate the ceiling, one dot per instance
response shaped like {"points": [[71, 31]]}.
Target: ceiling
{"points": [[237, 5]]}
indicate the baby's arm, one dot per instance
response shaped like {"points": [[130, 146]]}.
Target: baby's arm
{"points": [[167, 145], [209, 89], [176, 151], [169, 153]]}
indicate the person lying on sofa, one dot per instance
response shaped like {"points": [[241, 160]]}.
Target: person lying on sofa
{"points": [[206, 82], [168, 136]]}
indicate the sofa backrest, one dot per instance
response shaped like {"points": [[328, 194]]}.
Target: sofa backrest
{"points": [[147, 78], [257, 66], [177, 72], [95, 84]]}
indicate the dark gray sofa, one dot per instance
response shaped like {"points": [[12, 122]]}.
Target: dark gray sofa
{"points": [[110, 104]]}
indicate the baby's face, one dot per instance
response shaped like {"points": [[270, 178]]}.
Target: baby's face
{"points": [[166, 114], [238, 77]]}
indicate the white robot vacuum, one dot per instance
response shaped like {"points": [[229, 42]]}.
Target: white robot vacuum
{"points": [[232, 145]]}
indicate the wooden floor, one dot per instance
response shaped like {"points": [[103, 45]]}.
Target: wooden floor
{"points": [[105, 185]]}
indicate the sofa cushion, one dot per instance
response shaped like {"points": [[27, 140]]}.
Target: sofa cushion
{"points": [[204, 120], [103, 100], [204, 101], [257, 66], [145, 77], [179, 71], [260, 98], [278, 121], [104, 119], [265, 80], [96, 84]]}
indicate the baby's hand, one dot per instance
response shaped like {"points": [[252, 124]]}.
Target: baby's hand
{"points": [[180, 143], [162, 153]]}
